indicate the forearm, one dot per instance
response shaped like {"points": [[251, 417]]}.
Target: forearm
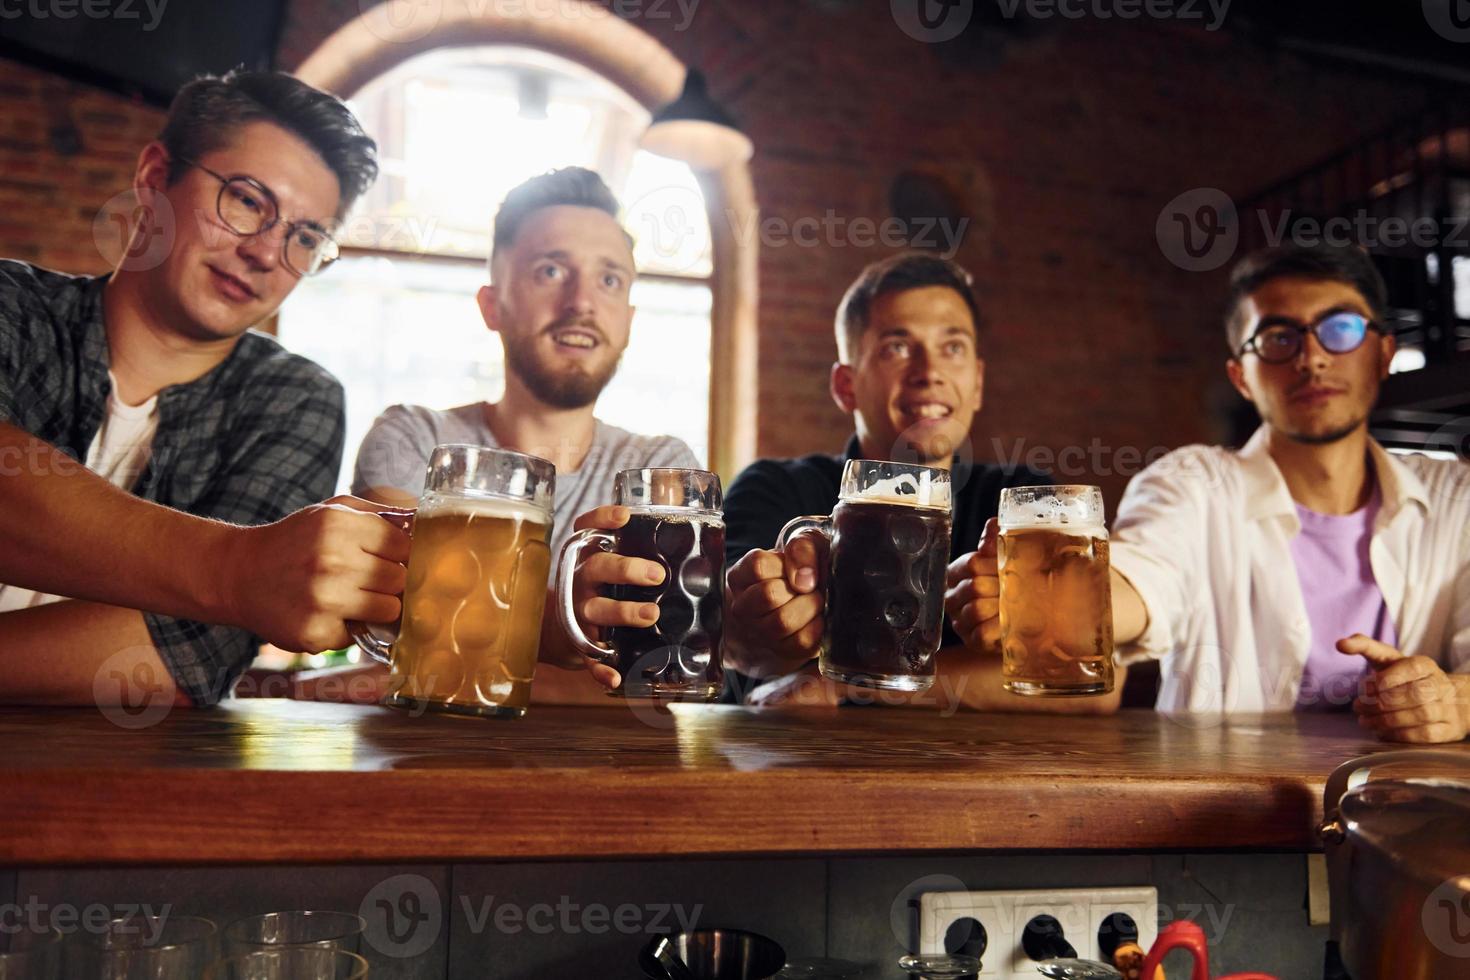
{"points": [[80, 653], [54, 513], [973, 682], [1130, 615]]}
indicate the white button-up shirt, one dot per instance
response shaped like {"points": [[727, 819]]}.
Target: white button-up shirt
{"points": [[1204, 535]]}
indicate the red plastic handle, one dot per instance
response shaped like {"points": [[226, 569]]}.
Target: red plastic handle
{"points": [[1178, 935]]}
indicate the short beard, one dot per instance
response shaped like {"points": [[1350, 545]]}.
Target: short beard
{"points": [[575, 389], [1326, 438]]}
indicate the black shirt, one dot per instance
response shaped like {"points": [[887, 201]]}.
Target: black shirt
{"points": [[770, 492]]}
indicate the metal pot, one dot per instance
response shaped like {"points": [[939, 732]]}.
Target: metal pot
{"points": [[717, 954], [1397, 838]]}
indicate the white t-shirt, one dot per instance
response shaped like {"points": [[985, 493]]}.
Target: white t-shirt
{"points": [[1205, 534], [119, 453], [397, 447]]}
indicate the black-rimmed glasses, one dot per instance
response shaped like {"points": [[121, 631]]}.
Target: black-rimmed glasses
{"points": [[248, 208], [1279, 340]]}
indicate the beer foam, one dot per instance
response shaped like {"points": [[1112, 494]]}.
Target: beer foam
{"points": [[1077, 509], [439, 505], [907, 491], [691, 514]]}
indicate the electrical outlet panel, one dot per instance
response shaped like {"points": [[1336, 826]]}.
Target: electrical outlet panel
{"points": [[1004, 915]]}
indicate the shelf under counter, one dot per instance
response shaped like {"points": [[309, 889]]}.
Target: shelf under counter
{"points": [[280, 781]]}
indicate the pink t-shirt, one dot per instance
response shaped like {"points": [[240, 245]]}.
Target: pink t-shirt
{"points": [[1331, 558]]}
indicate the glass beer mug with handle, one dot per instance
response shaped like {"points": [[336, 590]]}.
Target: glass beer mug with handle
{"points": [[888, 547], [477, 572], [676, 521], [1056, 605]]}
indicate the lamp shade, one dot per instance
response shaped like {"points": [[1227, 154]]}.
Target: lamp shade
{"points": [[696, 129]]}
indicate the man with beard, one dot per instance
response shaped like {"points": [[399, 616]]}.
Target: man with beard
{"points": [[1310, 570], [561, 271], [909, 372]]}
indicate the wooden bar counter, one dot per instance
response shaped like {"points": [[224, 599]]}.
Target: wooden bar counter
{"points": [[231, 785]]}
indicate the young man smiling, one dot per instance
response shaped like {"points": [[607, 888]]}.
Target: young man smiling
{"points": [[151, 377], [1311, 570], [909, 372]]}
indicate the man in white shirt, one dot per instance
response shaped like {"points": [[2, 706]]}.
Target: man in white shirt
{"points": [[1311, 566]]}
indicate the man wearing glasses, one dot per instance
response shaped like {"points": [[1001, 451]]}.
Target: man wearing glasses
{"points": [[1310, 570], [148, 438]]}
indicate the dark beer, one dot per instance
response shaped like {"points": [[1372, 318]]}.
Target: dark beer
{"points": [[679, 655], [885, 598]]}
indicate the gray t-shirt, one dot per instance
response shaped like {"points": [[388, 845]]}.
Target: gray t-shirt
{"points": [[397, 447]]}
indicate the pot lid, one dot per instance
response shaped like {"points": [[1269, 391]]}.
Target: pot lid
{"points": [[1421, 825]]}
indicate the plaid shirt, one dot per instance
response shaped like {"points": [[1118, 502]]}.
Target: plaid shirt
{"points": [[253, 440]]}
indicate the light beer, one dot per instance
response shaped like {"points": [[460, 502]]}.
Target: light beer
{"points": [[1056, 613], [472, 608]]}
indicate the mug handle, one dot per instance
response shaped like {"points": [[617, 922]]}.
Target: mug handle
{"points": [[822, 524], [571, 557], [377, 639], [1182, 934]]}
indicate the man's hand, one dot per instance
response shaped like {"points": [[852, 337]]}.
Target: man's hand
{"points": [[1406, 699], [775, 601], [298, 581], [972, 596], [594, 611]]}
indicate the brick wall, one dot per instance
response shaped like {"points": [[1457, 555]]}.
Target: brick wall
{"points": [[65, 150], [1066, 144]]}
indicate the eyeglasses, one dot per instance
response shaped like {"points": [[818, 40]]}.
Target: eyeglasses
{"points": [[248, 208], [1278, 340]]}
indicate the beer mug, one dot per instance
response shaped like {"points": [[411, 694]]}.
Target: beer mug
{"points": [[477, 573], [675, 521], [888, 547], [1056, 603]]}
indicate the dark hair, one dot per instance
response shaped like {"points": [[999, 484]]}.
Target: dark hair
{"points": [[568, 187], [1329, 263], [896, 274], [208, 110]]}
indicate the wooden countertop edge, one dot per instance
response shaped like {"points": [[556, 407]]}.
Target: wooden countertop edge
{"points": [[59, 817]]}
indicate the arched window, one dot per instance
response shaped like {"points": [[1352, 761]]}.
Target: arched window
{"points": [[396, 320]]}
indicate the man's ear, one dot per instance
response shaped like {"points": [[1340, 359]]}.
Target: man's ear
{"points": [[979, 383], [840, 383], [489, 309], [1389, 346], [1235, 371], [151, 175]]}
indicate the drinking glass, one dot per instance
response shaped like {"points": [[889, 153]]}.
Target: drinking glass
{"points": [[675, 520], [1056, 606], [888, 548], [471, 624]]}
